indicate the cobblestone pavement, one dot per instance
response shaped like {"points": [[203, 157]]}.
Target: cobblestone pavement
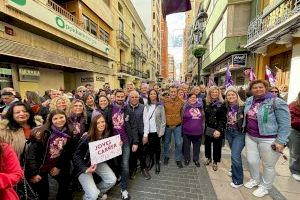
{"points": [[188, 183]]}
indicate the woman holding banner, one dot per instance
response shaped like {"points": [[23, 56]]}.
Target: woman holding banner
{"points": [[82, 163]]}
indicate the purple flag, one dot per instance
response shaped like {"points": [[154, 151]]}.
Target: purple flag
{"points": [[228, 78], [270, 76], [250, 73], [175, 6], [211, 81]]}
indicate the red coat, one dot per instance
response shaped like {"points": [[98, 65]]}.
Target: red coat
{"points": [[10, 173], [295, 115]]}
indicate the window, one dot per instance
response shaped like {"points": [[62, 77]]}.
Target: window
{"points": [[103, 35], [93, 27], [133, 26], [120, 8], [121, 25], [86, 22], [133, 38], [153, 28], [153, 15]]}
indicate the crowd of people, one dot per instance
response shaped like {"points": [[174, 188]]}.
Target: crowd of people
{"points": [[42, 136]]}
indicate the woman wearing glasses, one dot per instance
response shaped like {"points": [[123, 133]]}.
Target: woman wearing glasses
{"points": [[267, 124], [274, 91]]}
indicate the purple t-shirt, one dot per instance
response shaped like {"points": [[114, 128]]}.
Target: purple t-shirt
{"points": [[232, 116], [192, 121], [119, 123], [252, 123]]}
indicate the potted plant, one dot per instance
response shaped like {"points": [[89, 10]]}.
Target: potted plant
{"points": [[199, 51]]}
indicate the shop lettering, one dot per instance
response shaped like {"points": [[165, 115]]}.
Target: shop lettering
{"points": [[30, 72]]}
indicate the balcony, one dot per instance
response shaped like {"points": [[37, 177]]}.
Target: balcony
{"points": [[143, 57], [135, 50], [56, 7], [123, 39], [279, 15], [131, 71]]}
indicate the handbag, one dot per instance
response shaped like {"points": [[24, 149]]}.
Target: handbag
{"points": [[209, 131], [23, 188]]}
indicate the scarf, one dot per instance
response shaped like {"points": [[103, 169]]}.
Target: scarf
{"points": [[216, 103]]}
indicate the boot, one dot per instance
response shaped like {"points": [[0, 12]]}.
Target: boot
{"points": [[157, 168], [157, 164]]}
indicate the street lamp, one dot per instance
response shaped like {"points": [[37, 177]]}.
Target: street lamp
{"points": [[199, 50]]}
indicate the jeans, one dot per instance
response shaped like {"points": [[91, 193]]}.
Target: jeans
{"points": [[178, 142], [187, 140], [259, 149], [123, 160], [91, 190], [236, 142], [294, 146]]}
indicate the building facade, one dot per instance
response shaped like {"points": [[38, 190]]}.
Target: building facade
{"points": [[164, 49], [133, 55], [274, 37], [150, 13], [188, 60], [55, 44], [171, 68], [225, 36]]}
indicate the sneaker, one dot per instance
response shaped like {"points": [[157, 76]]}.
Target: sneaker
{"points": [[260, 191], [235, 185], [215, 166], [125, 195], [251, 184], [296, 177], [102, 196], [166, 161], [179, 164]]}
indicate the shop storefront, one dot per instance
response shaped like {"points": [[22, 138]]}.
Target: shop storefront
{"points": [[237, 63], [5, 76]]}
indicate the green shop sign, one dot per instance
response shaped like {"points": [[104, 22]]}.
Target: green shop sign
{"points": [[42, 13]]}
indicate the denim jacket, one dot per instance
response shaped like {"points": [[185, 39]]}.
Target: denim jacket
{"points": [[273, 118]]}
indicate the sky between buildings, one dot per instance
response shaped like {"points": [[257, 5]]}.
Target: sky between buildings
{"points": [[176, 23]]}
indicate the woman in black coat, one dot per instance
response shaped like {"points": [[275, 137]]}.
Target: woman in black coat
{"points": [[215, 124], [50, 152]]}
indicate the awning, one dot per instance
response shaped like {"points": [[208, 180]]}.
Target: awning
{"points": [[15, 49]]}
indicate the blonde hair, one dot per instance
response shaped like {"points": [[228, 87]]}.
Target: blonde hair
{"points": [[72, 105], [81, 88], [53, 103], [210, 90], [232, 89]]}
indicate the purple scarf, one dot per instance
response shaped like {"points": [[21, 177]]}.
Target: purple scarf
{"points": [[216, 103]]}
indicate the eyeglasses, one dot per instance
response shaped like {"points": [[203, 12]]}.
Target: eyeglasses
{"points": [[81, 91], [274, 91]]}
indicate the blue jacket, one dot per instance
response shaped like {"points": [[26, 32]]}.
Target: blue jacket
{"points": [[273, 118]]}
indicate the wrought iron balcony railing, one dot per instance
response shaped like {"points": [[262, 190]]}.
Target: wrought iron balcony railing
{"points": [[121, 36], [131, 71], [135, 49], [273, 15]]}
